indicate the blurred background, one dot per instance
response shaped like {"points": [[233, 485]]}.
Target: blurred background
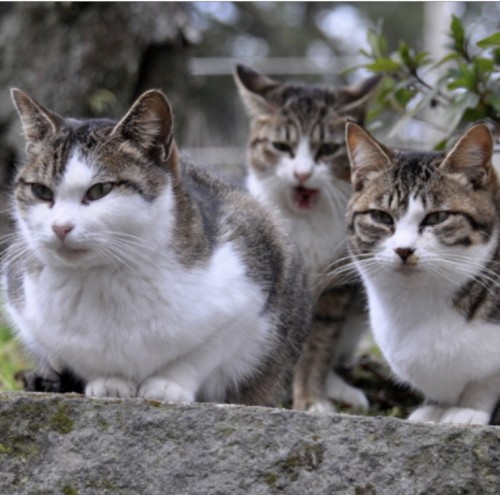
{"points": [[92, 59]]}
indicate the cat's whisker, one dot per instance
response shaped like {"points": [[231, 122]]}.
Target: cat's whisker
{"points": [[131, 253], [482, 279]]}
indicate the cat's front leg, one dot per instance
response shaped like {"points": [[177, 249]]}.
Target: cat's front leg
{"points": [[180, 380], [177, 382], [166, 389], [314, 383], [111, 386], [429, 413], [477, 403]]}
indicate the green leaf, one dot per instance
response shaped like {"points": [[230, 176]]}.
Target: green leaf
{"points": [[441, 145], [460, 82], [365, 53], [404, 96], [447, 58], [404, 53], [384, 65], [494, 101], [496, 56], [458, 34], [493, 40], [473, 114], [422, 58], [484, 66], [378, 43]]}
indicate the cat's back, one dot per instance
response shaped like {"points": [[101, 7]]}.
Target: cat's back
{"points": [[231, 214]]}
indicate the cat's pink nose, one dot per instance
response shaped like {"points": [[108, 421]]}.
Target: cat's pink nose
{"points": [[302, 176], [62, 230]]}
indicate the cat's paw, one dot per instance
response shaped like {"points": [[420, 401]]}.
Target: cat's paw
{"points": [[340, 390], [465, 416], [164, 390], [111, 386], [427, 414], [322, 407]]}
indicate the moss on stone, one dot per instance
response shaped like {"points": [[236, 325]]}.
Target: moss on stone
{"points": [[69, 490], [60, 421]]}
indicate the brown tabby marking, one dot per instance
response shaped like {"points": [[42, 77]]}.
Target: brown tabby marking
{"points": [[284, 116]]}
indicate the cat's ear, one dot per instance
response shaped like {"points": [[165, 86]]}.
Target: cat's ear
{"points": [[471, 155], [354, 98], [38, 123], [366, 154], [148, 125], [254, 88]]}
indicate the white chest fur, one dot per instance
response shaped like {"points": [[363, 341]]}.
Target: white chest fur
{"points": [[429, 344], [112, 322], [320, 234]]}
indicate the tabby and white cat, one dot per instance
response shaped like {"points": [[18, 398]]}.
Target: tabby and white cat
{"points": [[145, 276], [297, 161], [424, 234]]}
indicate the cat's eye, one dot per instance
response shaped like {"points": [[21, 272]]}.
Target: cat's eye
{"points": [[42, 192], [98, 191], [327, 149], [283, 147], [381, 217], [435, 218]]}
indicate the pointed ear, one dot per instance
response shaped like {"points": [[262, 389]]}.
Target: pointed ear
{"points": [[254, 88], [354, 98], [472, 155], [148, 125], [38, 122], [367, 155]]}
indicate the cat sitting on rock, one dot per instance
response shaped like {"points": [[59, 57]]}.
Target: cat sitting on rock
{"points": [[424, 233], [142, 276]]}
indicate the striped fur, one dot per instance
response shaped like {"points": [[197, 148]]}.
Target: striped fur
{"points": [[297, 161], [423, 233], [143, 276]]}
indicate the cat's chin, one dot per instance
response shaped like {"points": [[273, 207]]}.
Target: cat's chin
{"points": [[69, 256]]}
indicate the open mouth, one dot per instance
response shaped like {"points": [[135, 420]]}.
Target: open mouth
{"points": [[305, 199]]}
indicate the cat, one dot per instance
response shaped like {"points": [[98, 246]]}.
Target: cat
{"points": [[424, 235], [144, 276], [297, 161]]}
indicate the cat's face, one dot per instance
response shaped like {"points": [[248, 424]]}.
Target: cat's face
{"points": [[88, 194], [296, 145], [422, 218]]}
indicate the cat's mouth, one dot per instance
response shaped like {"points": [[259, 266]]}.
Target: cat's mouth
{"points": [[70, 253], [304, 198]]}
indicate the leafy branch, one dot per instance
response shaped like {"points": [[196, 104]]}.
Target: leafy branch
{"points": [[465, 83]]}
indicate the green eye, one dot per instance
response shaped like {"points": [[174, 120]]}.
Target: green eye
{"points": [[42, 192], [435, 218], [283, 147], [381, 217], [327, 149], [98, 191]]}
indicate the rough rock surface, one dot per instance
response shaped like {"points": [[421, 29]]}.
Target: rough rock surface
{"points": [[72, 445]]}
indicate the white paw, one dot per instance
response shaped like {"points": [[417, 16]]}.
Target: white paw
{"points": [[162, 389], [322, 407], [427, 414], [465, 416], [111, 386], [337, 389]]}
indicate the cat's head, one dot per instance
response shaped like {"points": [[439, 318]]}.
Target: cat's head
{"points": [[89, 189], [422, 216], [296, 145]]}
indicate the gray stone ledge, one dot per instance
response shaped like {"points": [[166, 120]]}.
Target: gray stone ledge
{"points": [[71, 445]]}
